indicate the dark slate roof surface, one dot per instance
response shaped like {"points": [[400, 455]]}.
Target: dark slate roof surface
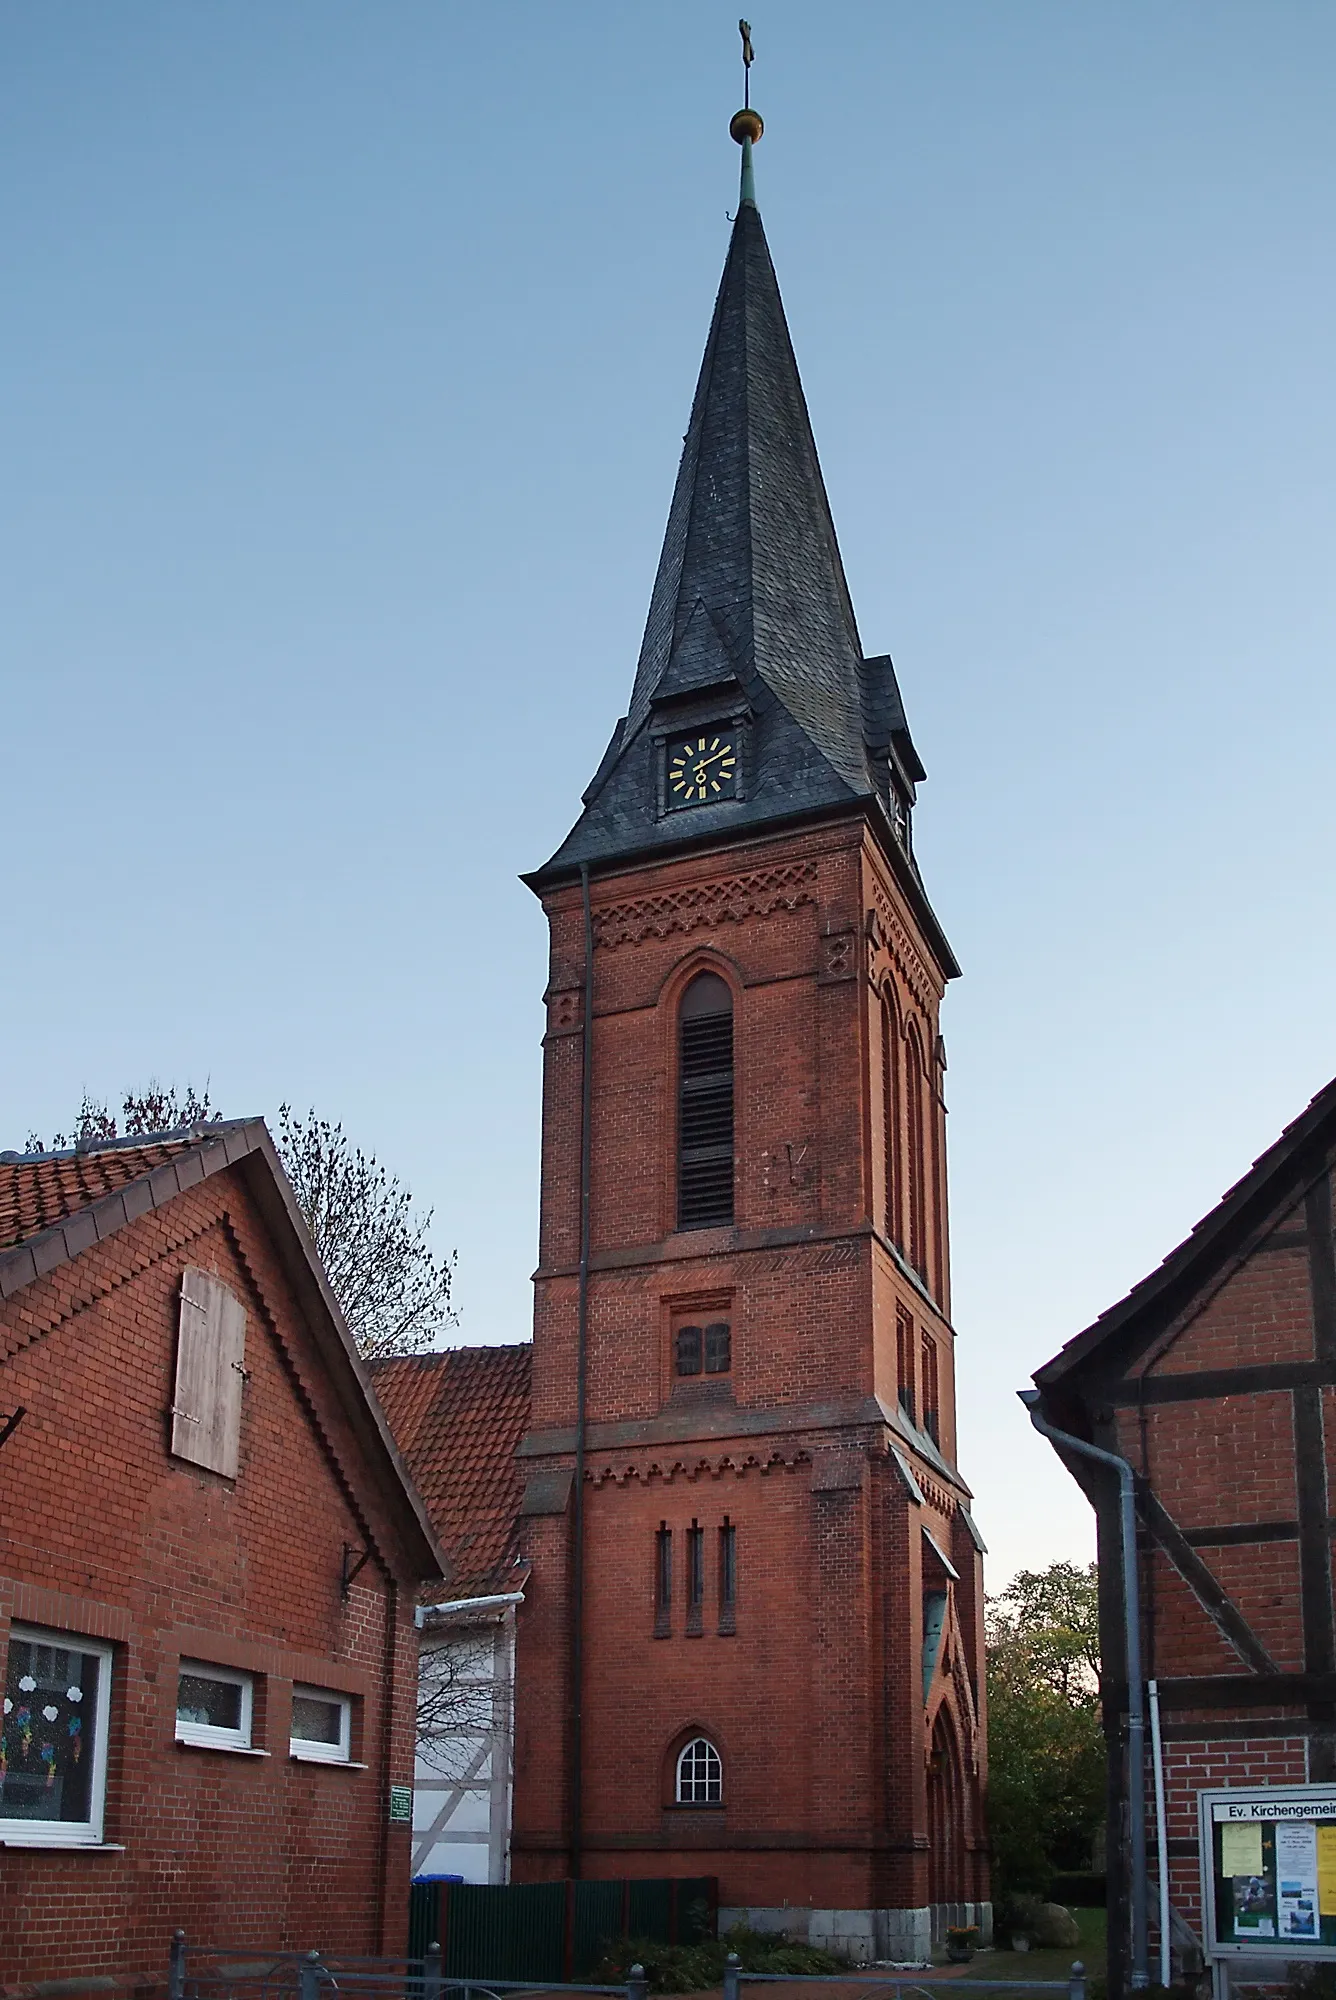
{"points": [[750, 608], [750, 535]]}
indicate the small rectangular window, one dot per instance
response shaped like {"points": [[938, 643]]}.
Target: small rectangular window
{"points": [[663, 1581], [718, 1349], [689, 1350], [53, 1770], [728, 1576], [213, 1707], [321, 1726]]}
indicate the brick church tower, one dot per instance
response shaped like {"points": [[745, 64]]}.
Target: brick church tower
{"points": [[752, 1642]]}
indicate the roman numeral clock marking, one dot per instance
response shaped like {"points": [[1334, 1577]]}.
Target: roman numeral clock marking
{"points": [[701, 768]]}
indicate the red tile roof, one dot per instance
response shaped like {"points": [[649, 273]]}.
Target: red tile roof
{"points": [[43, 1189], [457, 1418]]}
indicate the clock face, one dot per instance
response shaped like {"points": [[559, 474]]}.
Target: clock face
{"points": [[701, 767]]}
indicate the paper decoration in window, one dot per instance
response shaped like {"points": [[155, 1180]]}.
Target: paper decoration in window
{"points": [[45, 1776]]}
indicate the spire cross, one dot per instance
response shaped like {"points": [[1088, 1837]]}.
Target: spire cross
{"points": [[748, 57]]}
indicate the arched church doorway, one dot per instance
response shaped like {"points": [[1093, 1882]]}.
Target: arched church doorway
{"points": [[946, 1815]]}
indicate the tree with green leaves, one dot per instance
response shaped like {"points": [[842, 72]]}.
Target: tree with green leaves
{"points": [[1047, 1765], [393, 1289]]}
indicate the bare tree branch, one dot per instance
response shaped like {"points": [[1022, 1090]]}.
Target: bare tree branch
{"points": [[461, 1700], [393, 1290]]}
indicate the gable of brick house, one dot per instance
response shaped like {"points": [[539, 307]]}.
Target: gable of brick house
{"points": [[115, 1540]]}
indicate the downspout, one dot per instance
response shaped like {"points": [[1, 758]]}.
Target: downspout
{"points": [[1161, 1831], [390, 1698], [581, 1388], [1136, 1710]]}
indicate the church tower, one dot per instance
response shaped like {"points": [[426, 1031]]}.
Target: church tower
{"points": [[752, 1642]]}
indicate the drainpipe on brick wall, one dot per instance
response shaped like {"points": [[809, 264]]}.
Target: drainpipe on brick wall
{"points": [[389, 1695], [1136, 1695], [1161, 1833], [581, 1386]]}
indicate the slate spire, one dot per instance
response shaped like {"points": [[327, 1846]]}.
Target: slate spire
{"points": [[750, 619], [750, 537]]}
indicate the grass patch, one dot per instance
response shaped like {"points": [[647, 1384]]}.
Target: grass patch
{"points": [[1092, 1952]]}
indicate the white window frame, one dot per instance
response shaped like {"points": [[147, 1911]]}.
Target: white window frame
{"points": [[208, 1735], [307, 1752], [65, 1832], [682, 1755]]}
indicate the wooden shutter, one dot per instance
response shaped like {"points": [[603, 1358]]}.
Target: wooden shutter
{"points": [[210, 1372]]}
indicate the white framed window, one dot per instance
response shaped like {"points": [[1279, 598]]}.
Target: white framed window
{"points": [[321, 1726], [53, 1764], [700, 1774], [213, 1706]]}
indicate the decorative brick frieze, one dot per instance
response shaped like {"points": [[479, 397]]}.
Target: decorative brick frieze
{"points": [[891, 948], [704, 905], [667, 1469]]}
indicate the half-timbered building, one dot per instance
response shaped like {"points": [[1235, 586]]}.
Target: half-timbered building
{"points": [[1215, 1380]]}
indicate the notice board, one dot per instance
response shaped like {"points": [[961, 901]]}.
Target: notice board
{"points": [[1268, 1863]]}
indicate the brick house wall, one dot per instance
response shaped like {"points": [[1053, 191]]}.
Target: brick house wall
{"points": [[1214, 1380], [107, 1534]]}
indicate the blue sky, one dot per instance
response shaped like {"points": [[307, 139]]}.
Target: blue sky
{"points": [[345, 352]]}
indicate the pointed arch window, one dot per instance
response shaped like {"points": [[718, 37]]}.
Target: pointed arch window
{"points": [[890, 1116], [705, 1105], [700, 1774], [917, 1190]]}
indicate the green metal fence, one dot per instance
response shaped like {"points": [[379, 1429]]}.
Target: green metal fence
{"points": [[552, 1930]]}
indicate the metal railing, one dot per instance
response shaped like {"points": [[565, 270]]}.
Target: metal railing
{"points": [[876, 1986], [248, 1972], [251, 1972]]}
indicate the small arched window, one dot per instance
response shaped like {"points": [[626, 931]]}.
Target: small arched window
{"points": [[705, 1105], [700, 1774]]}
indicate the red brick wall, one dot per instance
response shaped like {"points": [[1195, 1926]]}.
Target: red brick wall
{"points": [[1201, 1764], [816, 1702], [105, 1532]]}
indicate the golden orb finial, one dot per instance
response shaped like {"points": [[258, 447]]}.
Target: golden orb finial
{"points": [[746, 124]]}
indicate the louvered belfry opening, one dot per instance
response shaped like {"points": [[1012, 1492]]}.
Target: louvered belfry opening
{"points": [[705, 1105]]}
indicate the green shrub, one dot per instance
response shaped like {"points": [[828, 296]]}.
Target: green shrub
{"points": [[693, 1968]]}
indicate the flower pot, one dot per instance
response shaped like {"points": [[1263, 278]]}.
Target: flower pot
{"points": [[1020, 1944]]}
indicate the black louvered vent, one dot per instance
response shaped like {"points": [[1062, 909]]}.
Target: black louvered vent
{"points": [[705, 1122]]}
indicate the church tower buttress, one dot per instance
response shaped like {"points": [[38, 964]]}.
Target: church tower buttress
{"points": [[751, 1646]]}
